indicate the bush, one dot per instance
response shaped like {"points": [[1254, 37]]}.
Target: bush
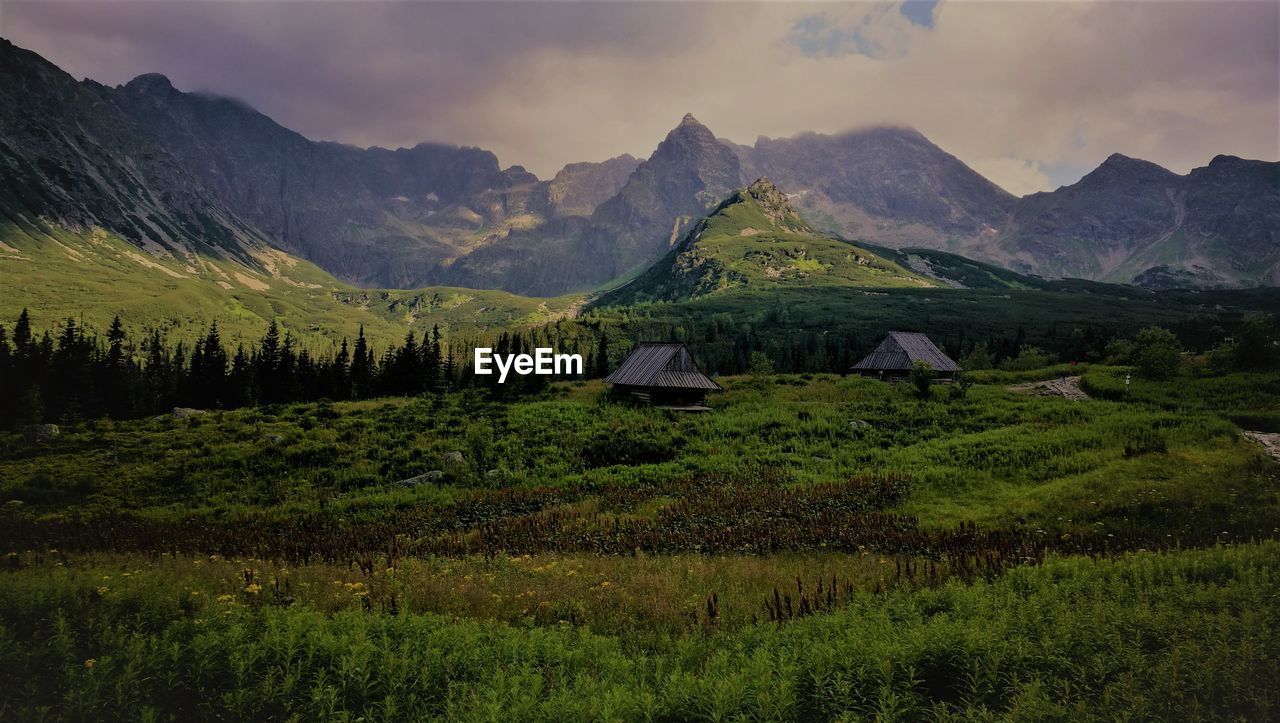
{"points": [[922, 378], [1029, 357], [1157, 353]]}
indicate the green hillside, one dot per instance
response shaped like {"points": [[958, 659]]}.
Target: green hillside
{"points": [[95, 275], [756, 239]]}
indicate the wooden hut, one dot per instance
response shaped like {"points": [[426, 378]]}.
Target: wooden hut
{"points": [[663, 374], [899, 352]]}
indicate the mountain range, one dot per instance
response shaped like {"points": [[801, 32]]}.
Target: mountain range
{"points": [[195, 176]]}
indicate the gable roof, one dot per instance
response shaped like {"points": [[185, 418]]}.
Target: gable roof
{"points": [[658, 364], [902, 349]]}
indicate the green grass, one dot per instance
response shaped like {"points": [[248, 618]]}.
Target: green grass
{"points": [[95, 276], [264, 564], [1187, 636]]}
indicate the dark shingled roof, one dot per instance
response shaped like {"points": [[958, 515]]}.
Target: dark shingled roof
{"points": [[901, 350], [655, 364]]}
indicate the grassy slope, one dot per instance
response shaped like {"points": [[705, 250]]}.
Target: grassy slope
{"points": [[97, 275], [572, 635], [740, 245]]}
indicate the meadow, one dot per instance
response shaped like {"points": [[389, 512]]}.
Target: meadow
{"points": [[815, 547]]}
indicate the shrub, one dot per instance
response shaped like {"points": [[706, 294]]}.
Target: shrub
{"points": [[922, 378], [1157, 353]]}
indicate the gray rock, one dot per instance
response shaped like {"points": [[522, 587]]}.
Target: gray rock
{"points": [[493, 472], [186, 412], [434, 475], [41, 433], [14, 503], [454, 458]]}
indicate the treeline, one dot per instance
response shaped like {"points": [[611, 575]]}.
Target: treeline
{"points": [[72, 374]]}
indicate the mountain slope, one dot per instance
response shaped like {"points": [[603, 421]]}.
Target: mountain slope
{"points": [[94, 275], [187, 175], [1133, 220], [375, 216], [687, 173], [887, 185], [756, 239], [70, 157], [98, 218]]}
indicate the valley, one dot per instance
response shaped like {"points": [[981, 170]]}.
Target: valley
{"points": [[295, 429]]}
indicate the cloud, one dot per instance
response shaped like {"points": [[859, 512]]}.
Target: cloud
{"points": [[1017, 176], [1024, 92]]}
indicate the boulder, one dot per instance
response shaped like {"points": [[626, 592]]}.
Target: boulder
{"points": [[41, 433], [454, 458], [186, 412], [434, 475]]}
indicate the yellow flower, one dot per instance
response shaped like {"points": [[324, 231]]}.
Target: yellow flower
{"points": [[103, 590], [226, 598], [253, 588], [90, 663]]}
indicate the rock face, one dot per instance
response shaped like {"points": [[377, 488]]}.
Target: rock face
{"points": [[71, 156], [373, 217], [887, 185], [1130, 221], [579, 187], [688, 173]]}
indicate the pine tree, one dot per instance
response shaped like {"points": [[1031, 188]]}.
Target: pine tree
{"points": [[267, 366], [340, 374], [602, 356], [209, 377], [361, 368]]}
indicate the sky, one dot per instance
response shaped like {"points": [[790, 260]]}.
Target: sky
{"points": [[1032, 94]]}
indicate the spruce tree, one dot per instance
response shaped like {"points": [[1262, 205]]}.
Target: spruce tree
{"points": [[361, 368]]}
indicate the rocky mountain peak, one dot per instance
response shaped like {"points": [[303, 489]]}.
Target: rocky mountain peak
{"points": [[692, 128], [1122, 168], [150, 83], [772, 201]]}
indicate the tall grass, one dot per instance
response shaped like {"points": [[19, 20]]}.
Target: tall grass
{"points": [[1187, 636]]}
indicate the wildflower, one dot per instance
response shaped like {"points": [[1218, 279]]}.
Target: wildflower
{"points": [[90, 663], [103, 590], [253, 588], [226, 598]]}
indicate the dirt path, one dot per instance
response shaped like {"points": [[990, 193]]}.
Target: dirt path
{"points": [[1068, 387], [1270, 441]]}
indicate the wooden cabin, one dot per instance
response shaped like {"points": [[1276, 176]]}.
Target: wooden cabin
{"points": [[664, 375], [899, 352]]}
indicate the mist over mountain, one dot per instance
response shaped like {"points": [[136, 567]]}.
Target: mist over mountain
{"points": [[174, 172]]}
